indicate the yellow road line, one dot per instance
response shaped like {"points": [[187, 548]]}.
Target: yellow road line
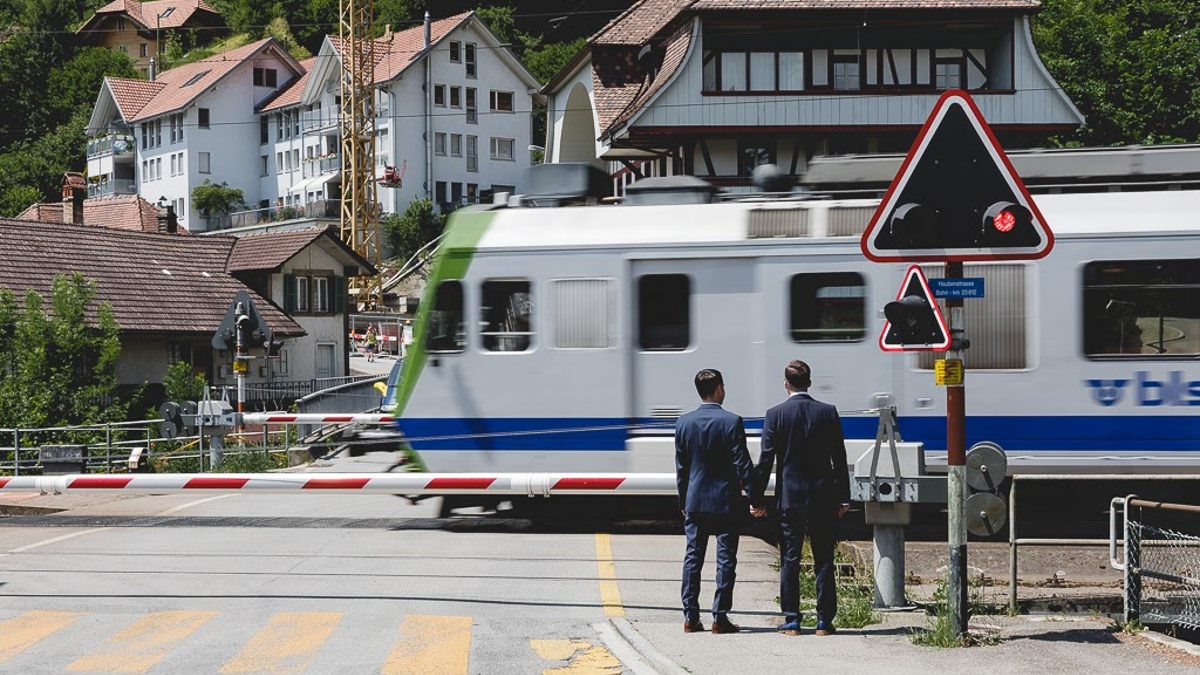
{"points": [[22, 632], [431, 645], [610, 595], [137, 648], [584, 658], [286, 644]]}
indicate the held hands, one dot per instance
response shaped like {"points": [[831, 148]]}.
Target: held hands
{"points": [[842, 510], [758, 511]]}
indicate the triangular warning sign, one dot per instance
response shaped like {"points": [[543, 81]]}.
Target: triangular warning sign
{"points": [[956, 197], [915, 322]]}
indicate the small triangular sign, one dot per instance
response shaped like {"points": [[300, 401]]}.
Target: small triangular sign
{"points": [[938, 338], [228, 323], [956, 169]]}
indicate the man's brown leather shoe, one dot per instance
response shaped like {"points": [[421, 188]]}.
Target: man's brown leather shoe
{"points": [[690, 627], [719, 628]]}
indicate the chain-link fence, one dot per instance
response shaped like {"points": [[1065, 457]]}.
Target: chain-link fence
{"points": [[1162, 561]]}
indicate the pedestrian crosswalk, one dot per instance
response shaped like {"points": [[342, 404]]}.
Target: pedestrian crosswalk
{"points": [[280, 643]]}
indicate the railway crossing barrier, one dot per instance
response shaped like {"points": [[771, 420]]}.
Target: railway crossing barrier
{"points": [[1161, 564]]}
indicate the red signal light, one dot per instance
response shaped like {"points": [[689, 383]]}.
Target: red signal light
{"points": [[1005, 221]]}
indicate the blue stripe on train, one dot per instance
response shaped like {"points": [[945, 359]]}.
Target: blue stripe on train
{"points": [[1013, 433]]}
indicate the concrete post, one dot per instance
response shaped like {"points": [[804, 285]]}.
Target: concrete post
{"points": [[889, 519]]}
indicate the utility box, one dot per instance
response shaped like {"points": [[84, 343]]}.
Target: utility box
{"points": [[62, 459]]}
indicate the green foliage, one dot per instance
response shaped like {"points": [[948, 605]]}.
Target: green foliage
{"points": [[181, 384], [855, 593], [939, 633], [74, 85], [211, 199], [1131, 66], [278, 29], [58, 366], [419, 225], [252, 461], [546, 61]]}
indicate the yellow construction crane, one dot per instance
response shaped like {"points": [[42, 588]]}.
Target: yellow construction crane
{"points": [[360, 214]]}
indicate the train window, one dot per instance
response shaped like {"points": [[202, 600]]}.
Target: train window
{"points": [[996, 323], [447, 328], [1141, 309], [507, 316], [664, 312], [828, 307], [583, 311]]}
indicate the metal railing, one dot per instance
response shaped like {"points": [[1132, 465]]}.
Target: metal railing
{"points": [[325, 208], [112, 188], [1015, 542], [315, 120], [113, 144], [1161, 565]]}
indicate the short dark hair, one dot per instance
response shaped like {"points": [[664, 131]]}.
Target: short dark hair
{"points": [[798, 374], [707, 382]]}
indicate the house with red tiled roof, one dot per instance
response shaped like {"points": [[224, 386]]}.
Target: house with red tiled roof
{"points": [[141, 29], [713, 88], [162, 138], [124, 212], [468, 136]]}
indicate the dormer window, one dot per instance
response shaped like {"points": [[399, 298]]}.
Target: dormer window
{"points": [[455, 52]]}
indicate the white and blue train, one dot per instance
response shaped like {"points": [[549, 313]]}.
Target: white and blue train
{"points": [[566, 338]]}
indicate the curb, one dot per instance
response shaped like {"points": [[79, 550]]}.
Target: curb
{"points": [[634, 651], [1168, 641]]}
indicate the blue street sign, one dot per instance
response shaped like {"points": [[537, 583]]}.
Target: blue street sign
{"points": [[970, 287]]}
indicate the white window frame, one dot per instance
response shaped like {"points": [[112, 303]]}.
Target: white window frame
{"points": [[498, 143], [204, 162]]}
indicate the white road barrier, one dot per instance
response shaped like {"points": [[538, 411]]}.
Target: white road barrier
{"points": [[528, 484]]}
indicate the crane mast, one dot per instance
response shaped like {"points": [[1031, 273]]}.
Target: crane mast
{"points": [[359, 216]]}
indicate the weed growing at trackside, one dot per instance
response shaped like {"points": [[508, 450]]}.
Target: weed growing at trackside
{"points": [[855, 594], [938, 631]]}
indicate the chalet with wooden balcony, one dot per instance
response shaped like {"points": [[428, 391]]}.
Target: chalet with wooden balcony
{"points": [[713, 88]]}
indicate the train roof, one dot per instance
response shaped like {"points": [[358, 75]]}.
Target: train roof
{"points": [[762, 222]]}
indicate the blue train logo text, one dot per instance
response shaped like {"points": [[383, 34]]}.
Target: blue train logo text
{"points": [[1173, 390]]}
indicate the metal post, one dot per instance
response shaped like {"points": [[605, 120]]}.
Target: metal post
{"points": [[108, 446], [16, 452], [1133, 566], [956, 461], [1012, 546]]}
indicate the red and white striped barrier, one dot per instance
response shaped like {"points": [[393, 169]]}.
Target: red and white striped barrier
{"points": [[315, 418], [528, 484]]}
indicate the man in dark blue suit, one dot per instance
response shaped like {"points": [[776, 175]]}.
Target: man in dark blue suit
{"points": [[804, 437], [712, 469]]}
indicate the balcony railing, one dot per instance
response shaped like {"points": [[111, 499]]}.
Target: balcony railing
{"points": [[119, 145], [315, 120], [112, 188], [325, 208], [331, 164]]}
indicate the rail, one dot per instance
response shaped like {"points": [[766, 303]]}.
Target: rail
{"points": [[1015, 542], [1161, 565]]}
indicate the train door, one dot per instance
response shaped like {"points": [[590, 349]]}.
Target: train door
{"points": [[690, 314], [823, 312]]}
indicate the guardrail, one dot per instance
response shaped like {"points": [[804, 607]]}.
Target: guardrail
{"points": [[1161, 564]]}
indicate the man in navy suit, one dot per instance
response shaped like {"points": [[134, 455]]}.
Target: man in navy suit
{"points": [[812, 489], [712, 469]]}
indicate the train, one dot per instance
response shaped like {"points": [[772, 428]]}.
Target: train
{"points": [[562, 337]]}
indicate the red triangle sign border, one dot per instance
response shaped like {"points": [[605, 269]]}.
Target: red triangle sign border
{"points": [[887, 205], [916, 270]]}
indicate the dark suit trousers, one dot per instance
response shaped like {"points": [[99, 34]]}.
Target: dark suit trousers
{"points": [[699, 527], [820, 522]]}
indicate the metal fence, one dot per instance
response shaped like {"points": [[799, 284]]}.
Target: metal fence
{"points": [[1161, 562]]}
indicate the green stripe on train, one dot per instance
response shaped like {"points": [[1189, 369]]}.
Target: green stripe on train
{"points": [[464, 230]]}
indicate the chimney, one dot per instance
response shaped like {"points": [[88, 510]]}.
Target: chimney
{"points": [[74, 191], [387, 33], [428, 29], [151, 68]]}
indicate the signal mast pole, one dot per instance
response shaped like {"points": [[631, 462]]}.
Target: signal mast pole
{"points": [[956, 461]]}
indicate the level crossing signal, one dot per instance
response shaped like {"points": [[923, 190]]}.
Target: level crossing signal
{"points": [[914, 320], [956, 197]]}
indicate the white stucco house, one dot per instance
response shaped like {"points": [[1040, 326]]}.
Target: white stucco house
{"points": [[713, 88]]}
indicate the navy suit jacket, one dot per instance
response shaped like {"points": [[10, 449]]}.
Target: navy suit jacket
{"points": [[804, 437], [712, 464]]}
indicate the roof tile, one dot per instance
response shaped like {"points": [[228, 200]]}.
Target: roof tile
{"points": [[126, 212]]}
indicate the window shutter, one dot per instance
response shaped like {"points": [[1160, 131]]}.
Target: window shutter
{"points": [[339, 295], [289, 294]]}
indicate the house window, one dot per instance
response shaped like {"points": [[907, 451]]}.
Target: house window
{"points": [[258, 77], [439, 192], [472, 117], [502, 101], [455, 97], [439, 143], [202, 118], [295, 159], [158, 168], [195, 78], [121, 24], [158, 133], [502, 148], [456, 193], [664, 312], [205, 160], [472, 153], [948, 74], [762, 71], [145, 134], [506, 314], [828, 307], [456, 145], [791, 71], [470, 56], [174, 164], [266, 77], [296, 123], [752, 154], [846, 73], [472, 193], [264, 129], [455, 52], [321, 304], [123, 49], [144, 50], [439, 95], [263, 169], [279, 162], [303, 297], [181, 206], [447, 329], [176, 353], [733, 71], [279, 126], [1141, 309]]}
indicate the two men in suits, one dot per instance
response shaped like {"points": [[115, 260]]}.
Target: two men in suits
{"points": [[716, 482], [803, 439]]}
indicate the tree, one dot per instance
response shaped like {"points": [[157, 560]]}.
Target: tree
{"points": [[211, 199], [418, 226], [1131, 66], [181, 384]]}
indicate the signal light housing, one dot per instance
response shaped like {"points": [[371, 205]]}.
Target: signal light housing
{"points": [[1003, 217]]}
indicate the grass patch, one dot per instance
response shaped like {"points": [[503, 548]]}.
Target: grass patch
{"points": [[939, 633], [254, 461], [855, 593]]}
